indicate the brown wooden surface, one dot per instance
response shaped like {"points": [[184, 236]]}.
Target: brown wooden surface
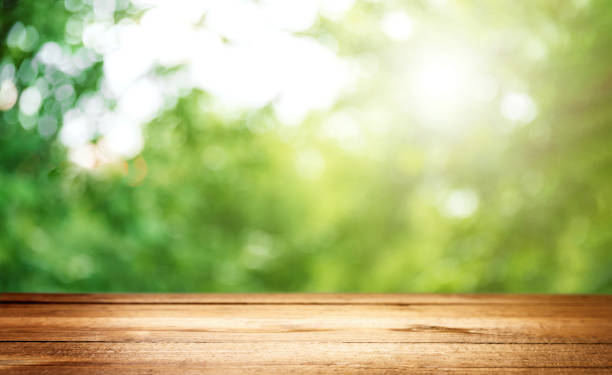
{"points": [[304, 333]]}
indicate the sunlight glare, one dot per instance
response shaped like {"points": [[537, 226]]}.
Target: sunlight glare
{"points": [[30, 101], [442, 78], [519, 107], [397, 25], [8, 95], [211, 41], [442, 86], [460, 203]]}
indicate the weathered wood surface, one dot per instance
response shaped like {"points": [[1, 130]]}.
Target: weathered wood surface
{"points": [[304, 333]]}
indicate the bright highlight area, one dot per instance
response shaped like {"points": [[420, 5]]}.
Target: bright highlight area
{"points": [[517, 106], [8, 95], [397, 25], [244, 53]]}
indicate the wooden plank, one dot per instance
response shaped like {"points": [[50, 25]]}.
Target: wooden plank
{"points": [[304, 298], [322, 333], [270, 354], [419, 323], [165, 369]]}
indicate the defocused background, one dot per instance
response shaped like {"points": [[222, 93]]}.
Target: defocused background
{"points": [[308, 145]]}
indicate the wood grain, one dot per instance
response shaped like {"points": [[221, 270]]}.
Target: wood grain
{"points": [[305, 298], [304, 333]]}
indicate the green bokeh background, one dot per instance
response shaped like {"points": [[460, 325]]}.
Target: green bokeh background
{"points": [[215, 202]]}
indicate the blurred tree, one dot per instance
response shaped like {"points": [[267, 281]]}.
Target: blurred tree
{"points": [[378, 193]]}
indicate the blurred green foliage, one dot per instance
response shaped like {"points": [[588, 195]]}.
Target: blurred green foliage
{"points": [[241, 202]]}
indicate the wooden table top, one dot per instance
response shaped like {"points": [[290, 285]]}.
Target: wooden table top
{"points": [[304, 333]]}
